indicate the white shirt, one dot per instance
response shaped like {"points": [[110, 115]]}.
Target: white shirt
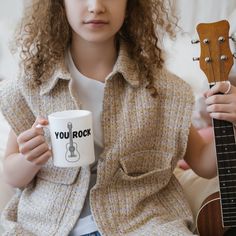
{"points": [[90, 95]]}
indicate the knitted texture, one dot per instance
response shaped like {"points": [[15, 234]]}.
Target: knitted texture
{"points": [[136, 192]]}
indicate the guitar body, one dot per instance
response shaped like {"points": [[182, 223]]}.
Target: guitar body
{"points": [[209, 220], [72, 153]]}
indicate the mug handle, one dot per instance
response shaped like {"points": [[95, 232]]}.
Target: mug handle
{"points": [[43, 126]]}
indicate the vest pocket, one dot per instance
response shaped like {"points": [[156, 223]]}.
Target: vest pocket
{"points": [[141, 163], [143, 173]]}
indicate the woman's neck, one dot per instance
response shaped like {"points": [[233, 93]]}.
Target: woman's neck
{"points": [[94, 60]]}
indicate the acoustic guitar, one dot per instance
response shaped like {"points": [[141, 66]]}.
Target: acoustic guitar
{"points": [[217, 215], [72, 153]]}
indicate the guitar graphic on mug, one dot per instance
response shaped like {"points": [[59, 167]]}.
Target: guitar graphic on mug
{"points": [[72, 153]]}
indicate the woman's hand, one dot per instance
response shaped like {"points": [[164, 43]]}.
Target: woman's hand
{"points": [[221, 106], [32, 144]]}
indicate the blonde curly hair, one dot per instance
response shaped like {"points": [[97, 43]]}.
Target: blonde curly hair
{"points": [[45, 35]]}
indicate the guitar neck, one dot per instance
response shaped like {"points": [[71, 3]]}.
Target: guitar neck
{"points": [[70, 136], [226, 161]]}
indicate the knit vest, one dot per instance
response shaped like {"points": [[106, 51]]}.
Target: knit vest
{"points": [[136, 192]]}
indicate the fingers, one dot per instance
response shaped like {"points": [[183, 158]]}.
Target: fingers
{"points": [[220, 87], [33, 132], [221, 106], [37, 152], [41, 121], [224, 116], [26, 147], [32, 143], [43, 158], [221, 111]]}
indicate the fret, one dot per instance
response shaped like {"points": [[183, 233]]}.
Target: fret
{"points": [[228, 200], [229, 217], [229, 223], [225, 176], [228, 204], [225, 195], [223, 168], [224, 136], [229, 210], [225, 160], [223, 153], [228, 193], [226, 163], [229, 181], [227, 171], [221, 123], [225, 144], [221, 148], [224, 187], [223, 126], [225, 140], [224, 130]]}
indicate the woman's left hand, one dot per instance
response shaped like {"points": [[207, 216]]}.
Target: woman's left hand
{"points": [[222, 106]]}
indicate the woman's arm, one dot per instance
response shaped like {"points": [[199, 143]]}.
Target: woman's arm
{"points": [[25, 155], [200, 155]]}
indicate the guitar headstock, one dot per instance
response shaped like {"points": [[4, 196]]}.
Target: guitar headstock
{"points": [[69, 125], [216, 58]]}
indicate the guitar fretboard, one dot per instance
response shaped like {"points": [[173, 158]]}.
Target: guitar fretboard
{"points": [[226, 159]]}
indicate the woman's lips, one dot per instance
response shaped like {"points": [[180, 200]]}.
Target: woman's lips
{"points": [[96, 23]]}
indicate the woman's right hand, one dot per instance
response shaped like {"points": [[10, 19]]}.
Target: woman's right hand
{"points": [[32, 144]]}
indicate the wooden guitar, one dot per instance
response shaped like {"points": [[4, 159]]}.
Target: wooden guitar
{"points": [[217, 216]]}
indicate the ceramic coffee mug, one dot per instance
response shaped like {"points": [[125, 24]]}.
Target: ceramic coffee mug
{"points": [[71, 136]]}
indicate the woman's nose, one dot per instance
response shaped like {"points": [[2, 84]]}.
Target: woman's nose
{"points": [[96, 6]]}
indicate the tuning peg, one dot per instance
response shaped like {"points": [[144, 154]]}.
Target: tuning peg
{"points": [[196, 58], [207, 59], [223, 58], [234, 55], [233, 37], [194, 41], [221, 39], [206, 41]]}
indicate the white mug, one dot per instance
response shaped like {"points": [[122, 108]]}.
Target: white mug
{"points": [[71, 136]]}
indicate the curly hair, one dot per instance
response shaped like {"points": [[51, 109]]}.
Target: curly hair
{"points": [[45, 35]]}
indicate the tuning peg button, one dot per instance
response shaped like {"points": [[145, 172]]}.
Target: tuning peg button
{"points": [[196, 58]]}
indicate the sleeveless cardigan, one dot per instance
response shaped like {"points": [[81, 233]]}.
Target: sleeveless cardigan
{"points": [[136, 192]]}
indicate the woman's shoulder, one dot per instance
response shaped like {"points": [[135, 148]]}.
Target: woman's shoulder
{"points": [[171, 83], [173, 79], [14, 106], [9, 88]]}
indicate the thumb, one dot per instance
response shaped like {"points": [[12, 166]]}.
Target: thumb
{"points": [[40, 121]]}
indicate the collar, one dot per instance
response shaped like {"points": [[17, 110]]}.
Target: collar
{"points": [[124, 65]]}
